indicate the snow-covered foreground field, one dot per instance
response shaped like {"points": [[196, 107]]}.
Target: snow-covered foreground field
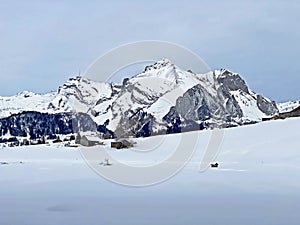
{"points": [[258, 182]]}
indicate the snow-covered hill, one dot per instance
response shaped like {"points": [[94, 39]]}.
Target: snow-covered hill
{"points": [[25, 101], [288, 106], [162, 99], [257, 182]]}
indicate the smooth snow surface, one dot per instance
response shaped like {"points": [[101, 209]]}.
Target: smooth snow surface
{"points": [[258, 182]]}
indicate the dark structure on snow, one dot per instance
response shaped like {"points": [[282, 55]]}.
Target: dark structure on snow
{"points": [[214, 165], [121, 144]]}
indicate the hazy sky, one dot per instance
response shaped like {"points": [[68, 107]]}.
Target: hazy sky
{"points": [[43, 43]]}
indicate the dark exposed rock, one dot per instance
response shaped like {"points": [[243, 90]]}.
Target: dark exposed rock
{"points": [[269, 108]]}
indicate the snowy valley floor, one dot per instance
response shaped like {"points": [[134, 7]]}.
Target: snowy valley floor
{"points": [[258, 182]]}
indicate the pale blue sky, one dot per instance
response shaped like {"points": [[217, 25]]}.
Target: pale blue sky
{"points": [[43, 43]]}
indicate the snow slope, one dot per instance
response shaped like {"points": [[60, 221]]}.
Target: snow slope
{"points": [[248, 104], [258, 182]]}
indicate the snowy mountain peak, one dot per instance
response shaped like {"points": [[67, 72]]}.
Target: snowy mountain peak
{"points": [[159, 64], [81, 93], [26, 94], [161, 71], [223, 72]]}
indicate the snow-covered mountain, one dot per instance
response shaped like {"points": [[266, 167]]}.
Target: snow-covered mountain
{"points": [[161, 99], [25, 101], [288, 106], [165, 99]]}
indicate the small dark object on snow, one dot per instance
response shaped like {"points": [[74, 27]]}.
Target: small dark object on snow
{"points": [[121, 144], [106, 162], [117, 145], [214, 165], [57, 141], [4, 163]]}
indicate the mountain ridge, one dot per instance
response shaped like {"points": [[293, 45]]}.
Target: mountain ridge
{"points": [[161, 99]]}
